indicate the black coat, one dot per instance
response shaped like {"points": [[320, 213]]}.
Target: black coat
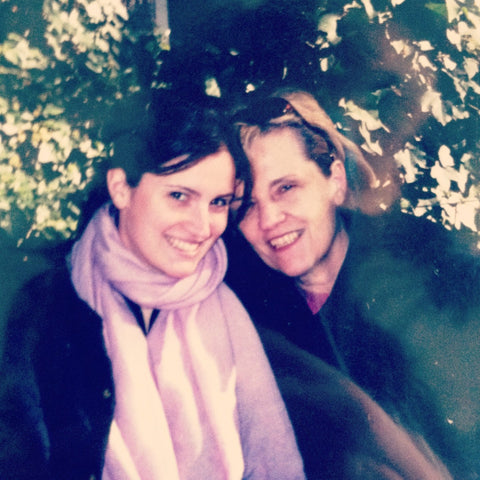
{"points": [[56, 386], [398, 270]]}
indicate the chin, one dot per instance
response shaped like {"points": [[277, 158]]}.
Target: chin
{"points": [[179, 271], [291, 270], [183, 272]]}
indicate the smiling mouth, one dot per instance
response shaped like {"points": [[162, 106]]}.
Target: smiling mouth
{"points": [[183, 246], [284, 240]]}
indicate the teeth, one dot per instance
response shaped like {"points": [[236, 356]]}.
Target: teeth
{"points": [[284, 240], [183, 245]]}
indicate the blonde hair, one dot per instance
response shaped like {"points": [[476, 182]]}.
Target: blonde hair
{"points": [[306, 112]]}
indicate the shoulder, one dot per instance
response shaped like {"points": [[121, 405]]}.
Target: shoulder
{"points": [[400, 246], [408, 235], [51, 291], [45, 309]]}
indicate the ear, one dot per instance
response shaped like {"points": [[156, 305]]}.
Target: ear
{"points": [[338, 178], [118, 187]]}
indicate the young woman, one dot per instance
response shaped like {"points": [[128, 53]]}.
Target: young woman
{"points": [[133, 360], [332, 278]]}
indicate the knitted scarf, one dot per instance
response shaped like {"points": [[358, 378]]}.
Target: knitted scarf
{"points": [[176, 413]]}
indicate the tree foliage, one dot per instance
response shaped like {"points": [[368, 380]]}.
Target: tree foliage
{"points": [[400, 77], [63, 63]]}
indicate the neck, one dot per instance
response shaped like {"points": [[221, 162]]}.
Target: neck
{"points": [[322, 277]]}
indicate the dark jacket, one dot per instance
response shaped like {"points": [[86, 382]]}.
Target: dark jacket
{"points": [[400, 274], [56, 386]]}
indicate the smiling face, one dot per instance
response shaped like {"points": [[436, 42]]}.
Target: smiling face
{"points": [[171, 221], [291, 223]]}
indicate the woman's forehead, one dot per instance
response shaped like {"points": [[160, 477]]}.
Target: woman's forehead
{"points": [[279, 142]]}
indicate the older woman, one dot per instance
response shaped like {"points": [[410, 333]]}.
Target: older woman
{"points": [[333, 279], [133, 360]]}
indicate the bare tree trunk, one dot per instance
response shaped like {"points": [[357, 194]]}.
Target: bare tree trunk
{"points": [[161, 14], [156, 9]]}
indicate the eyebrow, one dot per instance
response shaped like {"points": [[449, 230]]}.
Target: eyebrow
{"points": [[181, 187], [277, 181], [194, 192], [230, 195]]}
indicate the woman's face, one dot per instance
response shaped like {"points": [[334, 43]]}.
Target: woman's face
{"points": [[291, 222], [171, 221]]}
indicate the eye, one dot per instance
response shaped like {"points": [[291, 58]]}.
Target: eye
{"points": [[221, 202], [180, 196], [286, 187]]}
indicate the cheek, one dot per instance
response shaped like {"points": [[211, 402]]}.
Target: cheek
{"points": [[324, 225], [219, 225], [247, 227]]}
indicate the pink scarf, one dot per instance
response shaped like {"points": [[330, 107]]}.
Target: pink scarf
{"points": [[178, 414], [175, 401]]}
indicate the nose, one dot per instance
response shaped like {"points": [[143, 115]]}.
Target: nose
{"points": [[269, 215], [200, 222]]}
